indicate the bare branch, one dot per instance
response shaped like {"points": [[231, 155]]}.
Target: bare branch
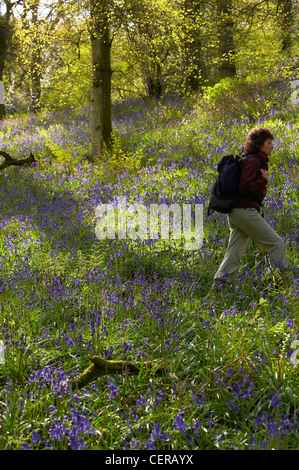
{"points": [[9, 161]]}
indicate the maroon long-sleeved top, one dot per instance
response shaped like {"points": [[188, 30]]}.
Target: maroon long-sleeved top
{"points": [[251, 182]]}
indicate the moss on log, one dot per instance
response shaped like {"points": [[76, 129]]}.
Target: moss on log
{"points": [[99, 367]]}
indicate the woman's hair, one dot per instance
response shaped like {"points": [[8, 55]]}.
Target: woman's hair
{"points": [[256, 138]]}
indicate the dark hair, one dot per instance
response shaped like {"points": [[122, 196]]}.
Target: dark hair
{"points": [[256, 138]]}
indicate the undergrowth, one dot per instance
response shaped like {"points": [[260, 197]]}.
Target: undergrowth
{"points": [[229, 358]]}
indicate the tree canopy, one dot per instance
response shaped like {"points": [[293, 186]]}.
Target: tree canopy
{"points": [[56, 54]]}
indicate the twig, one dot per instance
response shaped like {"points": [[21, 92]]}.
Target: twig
{"points": [[8, 160]]}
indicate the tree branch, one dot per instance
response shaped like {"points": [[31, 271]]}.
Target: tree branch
{"points": [[8, 160]]}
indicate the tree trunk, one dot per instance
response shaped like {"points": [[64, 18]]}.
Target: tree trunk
{"points": [[226, 52], [153, 79], [193, 63], [4, 32], [101, 126], [3, 49], [286, 22], [35, 67]]}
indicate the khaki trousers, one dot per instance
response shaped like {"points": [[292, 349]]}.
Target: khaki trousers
{"points": [[248, 224]]}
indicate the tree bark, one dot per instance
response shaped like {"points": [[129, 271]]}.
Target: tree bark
{"points": [[3, 50], [193, 62], [153, 80], [226, 52], [101, 126], [286, 22], [35, 66]]}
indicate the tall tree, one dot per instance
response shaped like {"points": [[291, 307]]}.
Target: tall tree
{"points": [[3, 42], [4, 34], [226, 49], [150, 26], [101, 41], [37, 36], [193, 21], [286, 22], [35, 60]]}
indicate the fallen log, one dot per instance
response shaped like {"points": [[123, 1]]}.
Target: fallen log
{"points": [[101, 367], [8, 160]]}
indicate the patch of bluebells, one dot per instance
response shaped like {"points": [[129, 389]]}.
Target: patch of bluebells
{"points": [[179, 423], [56, 201], [272, 430], [51, 377], [157, 433], [73, 428], [113, 390], [240, 392], [71, 431]]}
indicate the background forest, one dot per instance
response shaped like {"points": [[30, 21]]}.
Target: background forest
{"points": [[149, 48], [141, 99]]}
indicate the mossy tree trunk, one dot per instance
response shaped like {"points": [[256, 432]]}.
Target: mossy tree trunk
{"points": [[100, 367]]}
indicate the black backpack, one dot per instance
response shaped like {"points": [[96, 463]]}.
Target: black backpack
{"points": [[225, 190]]}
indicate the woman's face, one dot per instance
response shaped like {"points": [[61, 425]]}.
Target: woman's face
{"points": [[267, 147]]}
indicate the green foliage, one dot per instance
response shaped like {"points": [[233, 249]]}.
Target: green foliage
{"points": [[252, 97], [158, 47], [61, 155], [113, 163], [67, 81], [228, 382]]}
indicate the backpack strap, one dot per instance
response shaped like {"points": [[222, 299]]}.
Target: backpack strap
{"points": [[245, 157]]}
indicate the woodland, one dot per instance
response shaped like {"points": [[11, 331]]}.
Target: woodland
{"points": [[119, 344]]}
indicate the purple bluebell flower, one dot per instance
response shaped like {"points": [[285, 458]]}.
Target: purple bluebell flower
{"points": [[157, 433], [113, 390], [141, 401], [159, 397], [178, 422], [196, 426], [26, 446], [275, 401], [149, 445], [258, 420]]}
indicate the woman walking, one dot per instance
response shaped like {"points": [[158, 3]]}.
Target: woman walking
{"points": [[245, 220]]}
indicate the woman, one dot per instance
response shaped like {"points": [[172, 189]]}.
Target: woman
{"points": [[245, 220]]}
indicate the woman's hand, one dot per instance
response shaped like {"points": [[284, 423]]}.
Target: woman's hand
{"points": [[264, 174]]}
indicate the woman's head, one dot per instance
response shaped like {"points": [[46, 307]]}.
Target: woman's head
{"points": [[259, 139]]}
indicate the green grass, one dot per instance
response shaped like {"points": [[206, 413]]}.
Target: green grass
{"points": [[229, 382]]}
